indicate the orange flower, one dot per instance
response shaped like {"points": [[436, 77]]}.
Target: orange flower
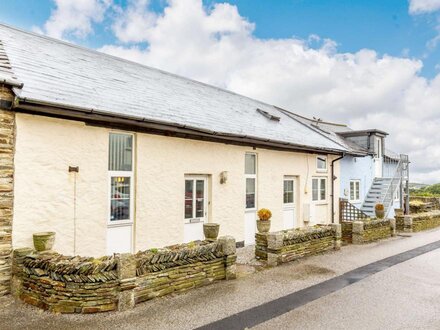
{"points": [[264, 214], [379, 207]]}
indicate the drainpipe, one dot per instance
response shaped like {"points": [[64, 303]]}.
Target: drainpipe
{"points": [[333, 185]]}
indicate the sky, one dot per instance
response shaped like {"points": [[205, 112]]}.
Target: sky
{"points": [[369, 64]]}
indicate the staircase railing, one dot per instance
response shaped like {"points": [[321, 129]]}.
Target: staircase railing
{"points": [[349, 212], [388, 197]]}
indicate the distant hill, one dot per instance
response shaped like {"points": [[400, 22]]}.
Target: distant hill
{"points": [[428, 190], [415, 186]]}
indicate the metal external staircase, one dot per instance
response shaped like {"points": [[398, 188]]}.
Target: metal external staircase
{"points": [[375, 195], [383, 189]]}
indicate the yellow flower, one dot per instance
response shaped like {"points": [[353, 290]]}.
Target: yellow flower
{"points": [[264, 214]]}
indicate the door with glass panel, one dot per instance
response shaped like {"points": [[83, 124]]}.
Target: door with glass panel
{"points": [[121, 198], [195, 208], [289, 202], [250, 216]]}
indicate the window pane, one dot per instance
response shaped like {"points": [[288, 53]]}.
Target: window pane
{"points": [[120, 199], [250, 164], [288, 191], [120, 152], [322, 163], [189, 198], [315, 189], [352, 190], [323, 192], [250, 193], [358, 191], [200, 198]]}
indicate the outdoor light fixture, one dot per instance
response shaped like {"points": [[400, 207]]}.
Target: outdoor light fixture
{"points": [[223, 177], [74, 169]]}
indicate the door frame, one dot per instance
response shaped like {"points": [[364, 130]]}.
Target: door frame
{"points": [[248, 211]]}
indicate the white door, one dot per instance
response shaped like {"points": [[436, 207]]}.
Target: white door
{"points": [[195, 208], [288, 203], [120, 224], [378, 159]]}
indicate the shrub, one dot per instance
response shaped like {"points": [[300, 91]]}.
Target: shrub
{"points": [[379, 207], [264, 214]]}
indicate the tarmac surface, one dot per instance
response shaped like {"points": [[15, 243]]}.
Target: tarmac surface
{"points": [[400, 296]]}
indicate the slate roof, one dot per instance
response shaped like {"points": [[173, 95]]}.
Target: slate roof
{"points": [[58, 73]]}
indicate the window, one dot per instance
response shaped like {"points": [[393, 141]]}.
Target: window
{"points": [[321, 163], [120, 166], [319, 189], [288, 196], [195, 198], [355, 191], [250, 170]]}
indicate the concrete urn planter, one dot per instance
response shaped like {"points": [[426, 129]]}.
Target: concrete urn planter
{"points": [[263, 226], [380, 214], [44, 241], [210, 230]]}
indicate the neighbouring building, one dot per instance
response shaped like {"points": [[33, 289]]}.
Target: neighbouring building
{"points": [[369, 172]]}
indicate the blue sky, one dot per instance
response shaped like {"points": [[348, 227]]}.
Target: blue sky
{"points": [[385, 26]]}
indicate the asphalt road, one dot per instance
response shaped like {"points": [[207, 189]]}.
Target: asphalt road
{"points": [[403, 296]]}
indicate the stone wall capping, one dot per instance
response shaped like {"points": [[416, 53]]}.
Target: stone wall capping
{"points": [[418, 221]]}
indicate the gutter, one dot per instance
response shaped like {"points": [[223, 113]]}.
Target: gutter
{"points": [[98, 117], [333, 185]]}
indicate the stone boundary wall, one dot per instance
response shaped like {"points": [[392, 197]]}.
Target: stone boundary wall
{"points": [[434, 201], [347, 232], [373, 230], [87, 285], [285, 246], [418, 222], [7, 144]]}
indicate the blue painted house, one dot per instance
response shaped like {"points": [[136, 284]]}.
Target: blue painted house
{"points": [[369, 172]]}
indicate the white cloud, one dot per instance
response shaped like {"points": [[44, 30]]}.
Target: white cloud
{"points": [[74, 17], [423, 6], [133, 23]]}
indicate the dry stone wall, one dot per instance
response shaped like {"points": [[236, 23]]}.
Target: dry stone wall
{"points": [[373, 230], [7, 141], [285, 246], [418, 222], [87, 285]]}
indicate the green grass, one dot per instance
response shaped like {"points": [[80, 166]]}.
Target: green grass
{"points": [[430, 191]]}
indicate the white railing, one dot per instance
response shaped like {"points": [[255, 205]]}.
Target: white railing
{"points": [[399, 173]]}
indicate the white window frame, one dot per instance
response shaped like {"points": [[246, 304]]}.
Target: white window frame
{"points": [[194, 219], [319, 200], [326, 163], [289, 178], [128, 174], [358, 183], [251, 176]]}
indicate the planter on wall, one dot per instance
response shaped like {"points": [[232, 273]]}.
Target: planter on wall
{"points": [[210, 230], [44, 241], [263, 226]]}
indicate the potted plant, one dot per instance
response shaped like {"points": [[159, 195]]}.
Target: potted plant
{"points": [[263, 222], [210, 230], [380, 211], [44, 241]]}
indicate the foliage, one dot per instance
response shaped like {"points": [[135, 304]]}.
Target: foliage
{"points": [[429, 191], [379, 207], [264, 214]]}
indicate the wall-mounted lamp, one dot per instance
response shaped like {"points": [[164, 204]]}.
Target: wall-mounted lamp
{"points": [[74, 169], [223, 177]]}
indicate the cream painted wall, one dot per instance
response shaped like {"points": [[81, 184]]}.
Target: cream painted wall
{"points": [[44, 190]]}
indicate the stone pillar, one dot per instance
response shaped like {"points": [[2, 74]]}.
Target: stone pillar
{"points": [[337, 232], [229, 249], [7, 142], [407, 224], [17, 270], [393, 227], [127, 280], [358, 232], [274, 244]]}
